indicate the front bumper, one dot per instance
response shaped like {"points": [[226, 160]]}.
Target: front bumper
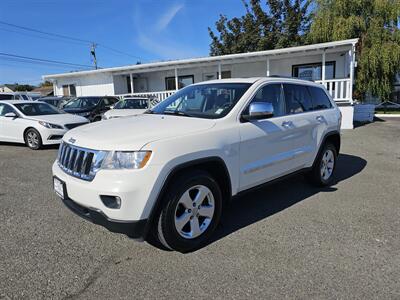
{"points": [[133, 229]]}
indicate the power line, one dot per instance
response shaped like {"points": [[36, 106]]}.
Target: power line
{"points": [[43, 60], [86, 42], [47, 33]]}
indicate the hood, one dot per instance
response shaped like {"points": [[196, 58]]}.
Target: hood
{"points": [[59, 119], [123, 112], [132, 133]]}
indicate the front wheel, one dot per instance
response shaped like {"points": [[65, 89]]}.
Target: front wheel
{"points": [[191, 213], [33, 139], [324, 166]]}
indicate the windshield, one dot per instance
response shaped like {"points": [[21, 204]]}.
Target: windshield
{"points": [[37, 109], [132, 104], [85, 103], [211, 101]]}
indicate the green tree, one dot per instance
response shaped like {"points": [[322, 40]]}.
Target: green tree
{"points": [[23, 87], [275, 24], [376, 23]]}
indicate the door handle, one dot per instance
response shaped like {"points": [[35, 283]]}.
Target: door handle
{"points": [[320, 119], [287, 124]]}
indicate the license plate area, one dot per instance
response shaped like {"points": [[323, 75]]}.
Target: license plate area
{"points": [[59, 187]]}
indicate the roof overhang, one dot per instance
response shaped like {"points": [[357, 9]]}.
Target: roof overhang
{"points": [[222, 59]]}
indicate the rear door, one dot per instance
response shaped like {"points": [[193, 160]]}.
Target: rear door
{"points": [[301, 118], [266, 146], [325, 115]]}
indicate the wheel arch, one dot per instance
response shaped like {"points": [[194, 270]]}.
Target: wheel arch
{"points": [[332, 137], [214, 165]]}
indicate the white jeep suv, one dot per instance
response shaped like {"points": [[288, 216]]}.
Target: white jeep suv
{"points": [[166, 175]]}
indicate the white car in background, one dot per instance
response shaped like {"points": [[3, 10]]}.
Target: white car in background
{"points": [[128, 107], [15, 96], [35, 123]]}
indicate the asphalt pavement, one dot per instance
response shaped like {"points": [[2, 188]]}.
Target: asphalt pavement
{"points": [[289, 240]]}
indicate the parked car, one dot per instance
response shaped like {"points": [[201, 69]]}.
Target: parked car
{"points": [[168, 174], [127, 107], [15, 96], [58, 102], [90, 107], [34, 123]]}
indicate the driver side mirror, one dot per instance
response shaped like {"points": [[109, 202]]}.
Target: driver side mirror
{"points": [[259, 111], [11, 115]]}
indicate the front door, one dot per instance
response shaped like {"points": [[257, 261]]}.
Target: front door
{"points": [[11, 129], [266, 147]]}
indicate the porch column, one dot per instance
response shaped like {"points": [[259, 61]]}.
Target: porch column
{"points": [[219, 72], [131, 81], [55, 87], [352, 62], [323, 68], [176, 79], [268, 73]]}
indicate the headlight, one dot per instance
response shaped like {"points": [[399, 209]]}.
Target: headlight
{"points": [[49, 125], [84, 114], [124, 160]]}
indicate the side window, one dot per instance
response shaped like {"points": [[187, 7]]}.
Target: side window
{"points": [[4, 109], [319, 98], [297, 98], [271, 93]]}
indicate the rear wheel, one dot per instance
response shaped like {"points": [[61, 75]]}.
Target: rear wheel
{"points": [[191, 213], [33, 139], [324, 166]]}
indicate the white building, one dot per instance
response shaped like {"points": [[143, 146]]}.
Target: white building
{"points": [[331, 64]]}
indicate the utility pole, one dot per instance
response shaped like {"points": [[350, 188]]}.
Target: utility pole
{"points": [[93, 53]]}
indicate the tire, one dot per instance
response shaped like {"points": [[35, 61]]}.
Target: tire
{"points": [[97, 119], [184, 222], [322, 173], [33, 139]]}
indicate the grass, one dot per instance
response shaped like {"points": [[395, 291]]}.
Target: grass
{"points": [[388, 111]]}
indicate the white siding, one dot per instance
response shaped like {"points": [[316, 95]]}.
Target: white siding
{"points": [[89, 85]]}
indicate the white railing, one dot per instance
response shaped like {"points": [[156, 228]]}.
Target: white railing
{"points": [[339, 89], [157, 96]]}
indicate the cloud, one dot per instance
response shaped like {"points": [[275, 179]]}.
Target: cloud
{"points": [[167, 17], [154, 38], [166, 48]]}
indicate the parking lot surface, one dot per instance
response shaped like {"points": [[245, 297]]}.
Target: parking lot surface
{"points": [[288, 240]]}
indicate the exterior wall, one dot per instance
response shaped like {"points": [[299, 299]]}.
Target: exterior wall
{"points": [[5, 89], [120, 84], [283, 67], [89, 85]]}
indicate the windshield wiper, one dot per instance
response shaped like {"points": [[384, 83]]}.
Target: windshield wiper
{"points": [[176, 113]]}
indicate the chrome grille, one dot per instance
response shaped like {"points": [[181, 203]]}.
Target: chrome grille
{"points": [[76, 161]]}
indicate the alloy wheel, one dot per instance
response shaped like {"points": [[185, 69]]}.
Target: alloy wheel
{"points": [[32, 139], [327, 164], [194, 211]]}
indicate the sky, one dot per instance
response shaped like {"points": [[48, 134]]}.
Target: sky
{"points": [[144, 30]]}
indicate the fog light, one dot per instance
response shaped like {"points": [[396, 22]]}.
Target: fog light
{"points": [[111, 201]]}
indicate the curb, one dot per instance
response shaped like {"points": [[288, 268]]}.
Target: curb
{"points": [[387, 115]]}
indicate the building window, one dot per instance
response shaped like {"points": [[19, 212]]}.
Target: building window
{"points": [[314, 71], [182, 82], [69, 90]]}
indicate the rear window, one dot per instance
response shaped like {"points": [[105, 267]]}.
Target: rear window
{"points": [[319, 98], [297, 98]]}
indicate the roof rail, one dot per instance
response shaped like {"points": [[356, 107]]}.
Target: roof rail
{"points": [[288, 77]]}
